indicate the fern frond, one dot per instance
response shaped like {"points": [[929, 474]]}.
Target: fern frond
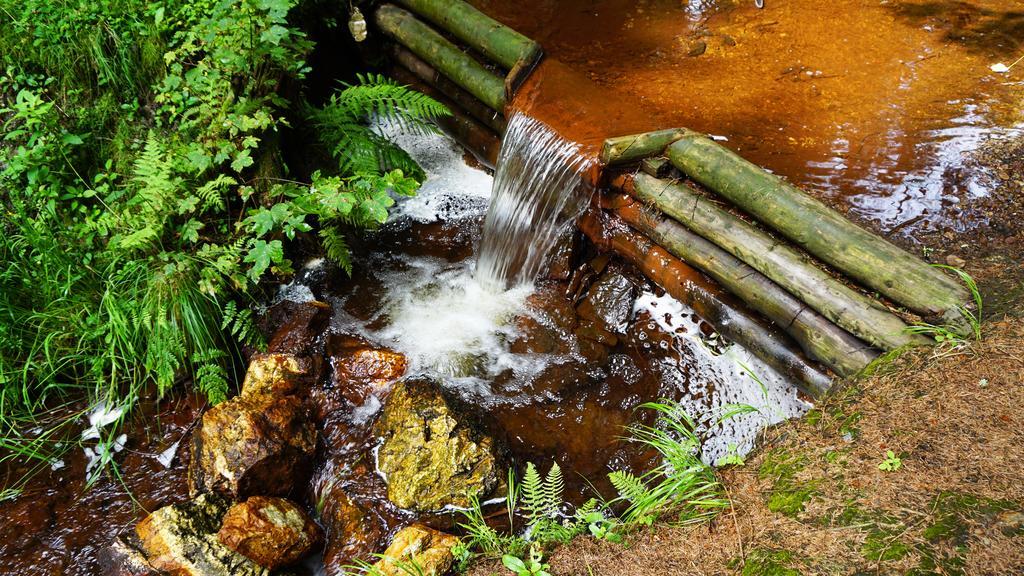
{"points": [[554, 485], [629, 487], [336, 248]]}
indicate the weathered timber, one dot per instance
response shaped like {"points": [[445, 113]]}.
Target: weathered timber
{"points": [[657, 166], [687, 285], [821, 231], [425, 72], [444, 56], [483, 143], [792, 270], [626, 149], [820, 339], [498, 42]]}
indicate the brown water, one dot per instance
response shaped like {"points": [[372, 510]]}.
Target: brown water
{"points": [[872, 106]]}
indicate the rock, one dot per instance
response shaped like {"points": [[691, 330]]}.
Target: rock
{"points": [[430, 456], [278, 374], [562, 255], [272, 532], [181, 540], [429, 550], [300, 328], [352, 531], [956, 261], [361, 369], [697, 48], [609, 302], [253, 444], [124, 557]]}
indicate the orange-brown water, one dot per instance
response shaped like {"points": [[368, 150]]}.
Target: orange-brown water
{"points": [[872, 106]]}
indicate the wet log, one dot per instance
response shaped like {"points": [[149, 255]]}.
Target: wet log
{"points": [[851, 310], [817, 336], [626, 149], [444, 56], [478, 139], [498, 42], [688, 286], [821, 231], [425, 72]]}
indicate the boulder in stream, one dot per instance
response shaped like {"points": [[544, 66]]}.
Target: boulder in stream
{"points": [[420, 549], [124, 557], [300, 325], [352, 530], [272, 532], [181, 540], [361, 368], [609, 302], [277, 374], [431, 455], [262, 441]]}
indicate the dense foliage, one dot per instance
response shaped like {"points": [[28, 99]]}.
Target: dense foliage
{"points": [[146, 196]]}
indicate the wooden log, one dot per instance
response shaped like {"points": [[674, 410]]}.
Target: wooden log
{"points": [[657, 166], [477, 109], [498, 42], [478, 139], [821, 231], [792, 270], [820, 339], [688, 286], [626, 149], [444, 56]]}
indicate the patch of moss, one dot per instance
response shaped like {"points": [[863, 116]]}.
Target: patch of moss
{"points": [[763, 562], [788, 495]]}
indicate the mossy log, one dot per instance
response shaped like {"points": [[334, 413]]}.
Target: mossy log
{"points": [[626, 149], [817, 336], [688, 286], [483, 143], [821, 231], [792, 270], [498, 42], [444, 56], [425, 72]]}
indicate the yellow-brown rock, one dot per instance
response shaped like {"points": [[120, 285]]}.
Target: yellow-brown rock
{"points": [[277, 374], [272, 532], [430, 455], [361, 369], [426, 551], [181, 540]]}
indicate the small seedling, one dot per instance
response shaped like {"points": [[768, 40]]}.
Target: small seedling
{"points": [[732, 457], [601, 528], [891, 463], [531, 566]]}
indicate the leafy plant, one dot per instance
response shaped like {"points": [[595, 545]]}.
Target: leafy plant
{"points": [[891, 463], [683, 485], [532, 565], [948, 334]]}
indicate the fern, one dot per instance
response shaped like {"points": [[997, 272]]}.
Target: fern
{"points": [[241, 325], [629, 487], [336, 248]]}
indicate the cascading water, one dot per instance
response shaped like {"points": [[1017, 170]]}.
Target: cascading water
{"points": [[538, 191]]}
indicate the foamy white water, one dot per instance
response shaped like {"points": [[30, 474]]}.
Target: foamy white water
{"points": [[717, 381]]}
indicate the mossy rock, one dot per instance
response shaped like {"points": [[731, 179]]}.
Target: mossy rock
{"points": [[430, 454]]}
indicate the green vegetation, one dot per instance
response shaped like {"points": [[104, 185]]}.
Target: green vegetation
{"points": [[891, 463], [788, 494], [762, 562], [146, 194], [683, 488], [945, 334]]}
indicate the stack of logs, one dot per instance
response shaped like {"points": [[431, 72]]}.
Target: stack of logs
{"points": [[696, 218]]}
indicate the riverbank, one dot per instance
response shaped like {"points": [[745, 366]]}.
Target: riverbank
{"points": [[815, 499]]}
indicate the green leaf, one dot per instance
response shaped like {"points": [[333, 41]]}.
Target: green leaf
{"points": [[261, 255], [514, 564]]}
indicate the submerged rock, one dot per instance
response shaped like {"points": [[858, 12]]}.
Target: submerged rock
{"points": [[430, 456], [253, 444], [124, 557], [300, 326], [425, 551], [352, 531], [609, 302], [181, 540], [361, 369], [272, 532]]}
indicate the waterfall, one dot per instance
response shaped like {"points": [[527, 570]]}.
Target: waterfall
{"points": [[538, 191]]}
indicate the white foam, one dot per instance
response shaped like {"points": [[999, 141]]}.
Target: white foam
{"points": [[453, 190], [717, 381]]}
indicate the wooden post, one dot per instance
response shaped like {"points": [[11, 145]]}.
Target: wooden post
{"points": [[821, 231], [498, 42], [848, 308], [688, 286], [466, 130], [626, 149], [444, 56], [493, 120], [820, 339]]}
